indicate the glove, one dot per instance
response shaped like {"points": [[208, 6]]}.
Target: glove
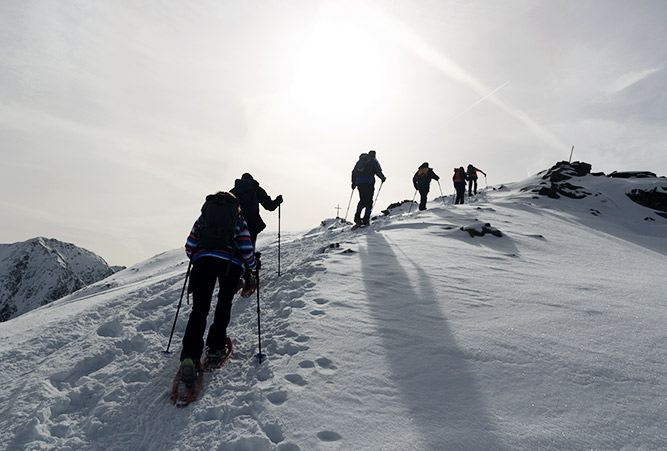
{"points": [[354, 186], [279, 199], [258, 262], [384, 179]]}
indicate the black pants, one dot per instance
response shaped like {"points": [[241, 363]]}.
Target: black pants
{"points": [[423, 193], [205, 272], [472, 183], [366, 191], [460, 192], [255, 224]]}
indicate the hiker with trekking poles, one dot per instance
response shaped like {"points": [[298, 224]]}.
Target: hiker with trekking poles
{"points": [[459, 178], [363, 178], [220, 249], [422, 183], [471, 173], [251, 196]]}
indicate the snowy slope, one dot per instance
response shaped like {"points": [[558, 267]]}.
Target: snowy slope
{"points": [[41, 270], [410, 334]]}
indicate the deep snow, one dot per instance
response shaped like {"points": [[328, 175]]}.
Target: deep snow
{"points": [[410, 334]]}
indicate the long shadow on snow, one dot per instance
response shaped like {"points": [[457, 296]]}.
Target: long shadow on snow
{"points": [[439, 391]]}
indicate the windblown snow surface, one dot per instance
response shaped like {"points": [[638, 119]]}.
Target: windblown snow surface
{"points": [[407, 335]]}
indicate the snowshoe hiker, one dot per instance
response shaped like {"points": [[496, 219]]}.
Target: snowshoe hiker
{"points": [[251, 196], [363, 178], [220, 249], [422, 182], [459, 179], [471, 173]]}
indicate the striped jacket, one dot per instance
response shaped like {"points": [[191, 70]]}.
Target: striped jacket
{"points": [[240, 252]]}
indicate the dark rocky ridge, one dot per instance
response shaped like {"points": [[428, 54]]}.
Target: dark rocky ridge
{"points": [[556, 184]]}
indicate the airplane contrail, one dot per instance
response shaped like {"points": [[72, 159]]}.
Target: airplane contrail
{"points": [[401, 34], [480, 101]]}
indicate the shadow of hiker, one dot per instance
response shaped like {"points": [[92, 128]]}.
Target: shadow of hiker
{"points": [[439, 391]]}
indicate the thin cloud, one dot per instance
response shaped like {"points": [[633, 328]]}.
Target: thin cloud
{"points": [[632, 78]]}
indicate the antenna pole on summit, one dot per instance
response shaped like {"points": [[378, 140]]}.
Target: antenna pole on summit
{"points": [[571, 152], [185, 284]]}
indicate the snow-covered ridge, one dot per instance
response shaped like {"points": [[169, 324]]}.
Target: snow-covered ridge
{"points": [[41, 270], [409, 334]]}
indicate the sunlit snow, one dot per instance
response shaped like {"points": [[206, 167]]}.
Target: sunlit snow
{"points": [[409, 334]]}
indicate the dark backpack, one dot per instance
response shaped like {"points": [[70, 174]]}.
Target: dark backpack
{"points": [[364, 166], [471, 171], [244, 190], [423, 179], [217, 223]]}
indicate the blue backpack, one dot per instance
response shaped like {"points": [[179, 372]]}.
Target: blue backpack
{"points": [[364, 166]]}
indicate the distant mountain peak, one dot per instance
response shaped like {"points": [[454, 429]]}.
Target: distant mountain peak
{"points": [[41, 270]]}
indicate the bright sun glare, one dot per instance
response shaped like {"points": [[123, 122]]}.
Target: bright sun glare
{"points": [[342, 71]]}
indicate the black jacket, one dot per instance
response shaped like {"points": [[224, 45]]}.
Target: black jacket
{"points": [[423, 183], [250, 196]]}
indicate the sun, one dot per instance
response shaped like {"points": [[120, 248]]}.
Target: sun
{"points": [[343, 70]]}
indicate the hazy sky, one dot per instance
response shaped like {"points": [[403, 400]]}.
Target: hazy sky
{"points": [[118, 117]]}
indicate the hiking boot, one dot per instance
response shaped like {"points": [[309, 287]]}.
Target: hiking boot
{"points": [[215, 356], [188, 372]]}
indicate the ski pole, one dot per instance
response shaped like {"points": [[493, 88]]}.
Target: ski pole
{"points": [[348, 205], [259, 356], [278, 240], [187, 275], [413, 201], [485, 182], [378, 194], [441, 194]]}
